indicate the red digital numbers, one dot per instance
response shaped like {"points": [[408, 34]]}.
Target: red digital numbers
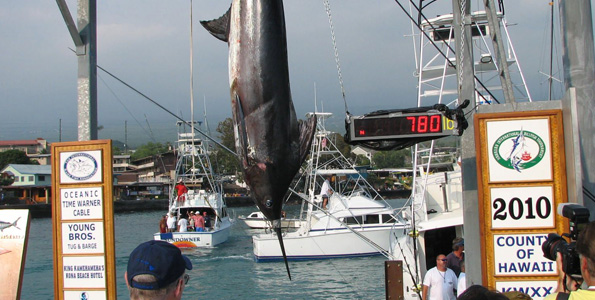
{"points": [[421, 124]]}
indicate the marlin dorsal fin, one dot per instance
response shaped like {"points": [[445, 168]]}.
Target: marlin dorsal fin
{"points": [[219, 28]]}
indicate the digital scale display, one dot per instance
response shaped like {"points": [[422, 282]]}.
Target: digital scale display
{"points": [[396, 126]]}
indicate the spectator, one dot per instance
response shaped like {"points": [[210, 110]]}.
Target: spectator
{"points": [[440, 282], [585, 246], [457, 255], [157, 270], [478, 292]]}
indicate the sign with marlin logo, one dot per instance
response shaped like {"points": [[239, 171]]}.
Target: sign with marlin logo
{"points": [[14, 228], [519, 150]]}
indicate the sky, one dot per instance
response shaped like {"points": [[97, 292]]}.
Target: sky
{"points": [[146, 43]]}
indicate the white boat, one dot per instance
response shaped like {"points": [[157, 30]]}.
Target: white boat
{"points": [[204, 194], [257, 220], [435, 214], [355, 222]]}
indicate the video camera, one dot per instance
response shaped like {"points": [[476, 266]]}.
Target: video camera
{"points": [[578, 217]]}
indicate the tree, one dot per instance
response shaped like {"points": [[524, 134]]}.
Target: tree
{"points": [[391, 159], [149, 149], [226, 162], [15, 157]]}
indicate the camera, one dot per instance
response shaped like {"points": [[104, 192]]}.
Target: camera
{"points": [[578, 217]]}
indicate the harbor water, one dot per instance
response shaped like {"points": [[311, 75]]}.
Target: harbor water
{"points": [[227, 271]]}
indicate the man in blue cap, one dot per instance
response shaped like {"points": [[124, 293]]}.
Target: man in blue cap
{"points": [[457, 255], [157, 270]]}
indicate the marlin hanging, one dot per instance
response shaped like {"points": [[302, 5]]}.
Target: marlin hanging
{"points": [[270, 141]]}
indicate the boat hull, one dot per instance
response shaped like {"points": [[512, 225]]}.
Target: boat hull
{"points": [[338, 243], [195, 239]]}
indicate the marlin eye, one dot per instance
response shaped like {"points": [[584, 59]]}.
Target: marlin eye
{"points": [[269, 203]]}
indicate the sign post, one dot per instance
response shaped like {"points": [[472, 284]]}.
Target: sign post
{"points": [[83, 220], [521, 180]]}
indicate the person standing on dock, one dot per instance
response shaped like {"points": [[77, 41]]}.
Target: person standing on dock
{"points": [[585, 247], [157, 270], [440, 282], [457, 255]]}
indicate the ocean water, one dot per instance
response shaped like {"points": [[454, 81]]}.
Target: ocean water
{"points": [[227, 271]]}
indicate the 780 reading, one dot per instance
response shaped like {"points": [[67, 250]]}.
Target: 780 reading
{"points": [[522, 207]]}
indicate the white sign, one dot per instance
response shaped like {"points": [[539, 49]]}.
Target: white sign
{"points": [[521, 254], [84, 271], [81, 167], [536, 289], [84, 295], [81, 203], [522, 207], [82, 238], [519, 150]]}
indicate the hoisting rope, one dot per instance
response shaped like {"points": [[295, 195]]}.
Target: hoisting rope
{"points": [[327, 6]]}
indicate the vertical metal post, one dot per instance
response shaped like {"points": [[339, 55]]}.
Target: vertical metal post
{"points": [[466, 89], [579, 78], [502, 64], [87, 71]]}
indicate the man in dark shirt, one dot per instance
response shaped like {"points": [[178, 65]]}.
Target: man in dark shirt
{"points": [[456, 256]]}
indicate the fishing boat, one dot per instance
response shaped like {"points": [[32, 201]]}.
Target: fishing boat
{"points": [[356, 221], [257, 220], [204, 194], [435, 209]]}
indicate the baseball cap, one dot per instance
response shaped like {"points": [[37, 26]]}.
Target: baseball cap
{"points": [[160, 259]]}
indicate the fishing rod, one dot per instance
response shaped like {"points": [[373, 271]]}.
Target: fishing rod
{"points": [[166, 110]]}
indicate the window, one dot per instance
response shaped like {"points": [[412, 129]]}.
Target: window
{"points": [[31, 178], [353, 220], [41, 177], [22, 178], [16, 179], [41, 193], [372, 219], [388, 219]]}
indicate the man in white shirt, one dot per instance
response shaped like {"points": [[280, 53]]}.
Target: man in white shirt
{"points": [[171, 223], [325, 192], [182, 225], [440, 282]]}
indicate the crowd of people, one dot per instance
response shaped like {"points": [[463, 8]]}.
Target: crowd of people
{"points": [[193, 221], [443, 283], [156, 269]]}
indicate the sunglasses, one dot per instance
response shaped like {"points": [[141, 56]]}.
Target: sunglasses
{"points": [[444, 259], [186, 278]]}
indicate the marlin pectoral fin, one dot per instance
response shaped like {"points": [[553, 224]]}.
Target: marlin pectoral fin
{"points": [[219, 28], [307, 129], [241, 123]]}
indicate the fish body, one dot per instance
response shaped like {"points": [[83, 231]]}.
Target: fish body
{"points": [[4, 225], [270, 141]]}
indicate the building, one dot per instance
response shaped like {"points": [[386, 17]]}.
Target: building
{"points": [[37, 149], [32, 183]]}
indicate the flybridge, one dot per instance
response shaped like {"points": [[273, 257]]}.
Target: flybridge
{"points": [[397, 129]]}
